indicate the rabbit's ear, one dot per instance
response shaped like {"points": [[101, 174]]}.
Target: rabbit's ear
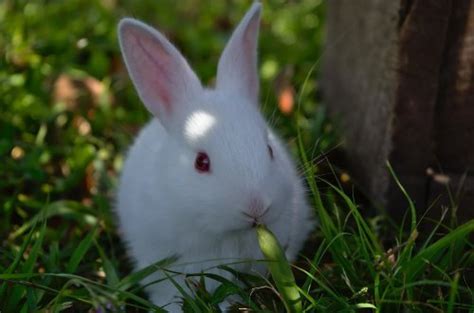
{"points": [[161, 75], [237, 69]]}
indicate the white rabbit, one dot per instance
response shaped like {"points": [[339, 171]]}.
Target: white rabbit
{"points": [[207, 168]]}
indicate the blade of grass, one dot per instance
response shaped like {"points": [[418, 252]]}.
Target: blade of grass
{"points": [[80, 251], [453, 292], [34, 252], [405, 193], [339, 299], [417, 264], [18, 292], [66, 292], [377, 292], [13, 266], [136, 277], [407, 251], [365, 306], [187, 298], [53, 209], [314, 263], [309, 298], [108, 267], [364, 229]]}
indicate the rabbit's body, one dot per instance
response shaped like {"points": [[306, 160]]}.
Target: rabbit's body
{"points": [[199, 177]]}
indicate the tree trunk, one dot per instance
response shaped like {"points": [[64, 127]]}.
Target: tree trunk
{"points": [[399, 75]]}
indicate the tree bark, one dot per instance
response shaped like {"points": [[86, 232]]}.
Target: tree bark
{"points": [[399, 75]]}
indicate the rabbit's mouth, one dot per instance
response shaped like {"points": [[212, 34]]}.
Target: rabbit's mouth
{"points": [[254, 219]]}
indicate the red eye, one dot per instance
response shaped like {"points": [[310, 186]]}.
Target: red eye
{"points": [[202, 163], [270, 151]]}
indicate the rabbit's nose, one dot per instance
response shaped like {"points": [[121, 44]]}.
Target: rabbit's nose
{"points": [[257, 208]]}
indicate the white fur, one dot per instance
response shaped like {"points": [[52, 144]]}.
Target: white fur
{"points": [[166, 207]]}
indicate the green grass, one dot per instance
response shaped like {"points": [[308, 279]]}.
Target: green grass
{"points": [[349, 270], [67, 113]]}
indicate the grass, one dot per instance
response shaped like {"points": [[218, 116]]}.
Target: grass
{"points": [[69, 111], [350, 270]]}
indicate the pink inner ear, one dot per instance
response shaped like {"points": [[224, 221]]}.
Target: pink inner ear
{"points": [[161, 72], [250, 53], [150, 65]]}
